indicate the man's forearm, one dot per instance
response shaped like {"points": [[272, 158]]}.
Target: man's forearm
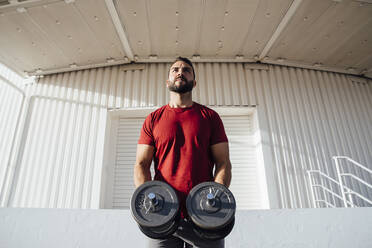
{"points": [[223, 175], [143, 163], [141, 175]]}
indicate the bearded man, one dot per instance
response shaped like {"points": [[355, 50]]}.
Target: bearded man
{"points": [[188, 144]]}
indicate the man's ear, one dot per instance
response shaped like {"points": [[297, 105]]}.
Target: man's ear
{"points": [[194, 83], [167, 83]]}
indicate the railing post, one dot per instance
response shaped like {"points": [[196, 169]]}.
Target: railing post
{"points": [[311, 189], [349, 194], [340, 182]]}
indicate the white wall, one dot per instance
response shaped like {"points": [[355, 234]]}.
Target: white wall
{"points": [[305, 117], [305, 228], [12, 98]]}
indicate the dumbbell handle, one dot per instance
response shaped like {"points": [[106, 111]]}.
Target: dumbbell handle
{"points": [[210, 199], [152, 198]]}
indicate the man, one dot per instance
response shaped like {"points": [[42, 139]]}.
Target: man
{"points": [[187, 141]]}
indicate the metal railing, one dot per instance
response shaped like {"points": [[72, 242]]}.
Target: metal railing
{"points": [[342, 194], [346, 190], [327, 193]]}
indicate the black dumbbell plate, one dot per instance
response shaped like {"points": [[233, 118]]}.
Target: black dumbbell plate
{"points": [[146, 214], [211, 216]]}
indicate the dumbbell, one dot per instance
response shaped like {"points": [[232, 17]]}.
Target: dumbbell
{"points": [[155, 207], [211, 207]]}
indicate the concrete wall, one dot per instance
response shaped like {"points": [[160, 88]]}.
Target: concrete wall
{"points": [[295, 228]]}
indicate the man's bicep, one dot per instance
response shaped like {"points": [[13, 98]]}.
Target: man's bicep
{"points": [[144, 155], [220, 153]]}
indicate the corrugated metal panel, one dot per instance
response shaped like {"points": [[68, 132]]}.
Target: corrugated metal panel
{"points": [[60, 157], [217, 84], [11, 102], [310, 115]]}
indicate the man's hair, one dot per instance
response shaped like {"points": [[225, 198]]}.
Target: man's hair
{"points": [[186, 60]]}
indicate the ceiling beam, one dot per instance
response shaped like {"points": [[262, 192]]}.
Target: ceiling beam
{"points": [[263, 64], [282, 25], [14, 5], [319, 67], [74, 67], [119, 29]]}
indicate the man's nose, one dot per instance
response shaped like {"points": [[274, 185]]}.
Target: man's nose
{"points": [[180, 72]]}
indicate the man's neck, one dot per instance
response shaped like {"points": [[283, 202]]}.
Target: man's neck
{"points": [[180, 100]]}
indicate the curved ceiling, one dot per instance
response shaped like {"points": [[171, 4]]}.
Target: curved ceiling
{"points": [[48, 36]]}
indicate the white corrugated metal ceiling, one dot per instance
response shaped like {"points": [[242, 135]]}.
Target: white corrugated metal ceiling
{"points": [[46, 36]]}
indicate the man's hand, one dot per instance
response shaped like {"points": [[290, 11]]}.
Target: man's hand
{"points": [[220, 153], [143, 162]]}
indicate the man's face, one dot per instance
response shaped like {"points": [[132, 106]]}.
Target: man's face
{"points": [[181, 78]]}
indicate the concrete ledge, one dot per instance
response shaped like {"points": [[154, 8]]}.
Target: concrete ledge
{"points": [[284, 228]]}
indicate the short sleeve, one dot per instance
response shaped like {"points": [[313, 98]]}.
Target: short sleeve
{"points": [[218, 134], [146, 136]]}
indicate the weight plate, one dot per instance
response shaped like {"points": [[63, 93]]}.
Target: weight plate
{"points": [[214, 234], [154, 204], [161, 232], [211, 205]]}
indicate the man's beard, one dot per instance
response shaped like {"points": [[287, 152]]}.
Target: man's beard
{"points": [[183, 88]]}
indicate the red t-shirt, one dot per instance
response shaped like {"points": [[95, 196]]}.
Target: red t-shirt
{"points": [[182, 138]]}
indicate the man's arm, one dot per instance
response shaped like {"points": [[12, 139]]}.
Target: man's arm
{"points": [[143, 162], [220, 153]]}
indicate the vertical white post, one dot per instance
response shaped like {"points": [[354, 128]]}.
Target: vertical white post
{"points": [[340, 182], [350, 199], [325, 197], [311, 189]]}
